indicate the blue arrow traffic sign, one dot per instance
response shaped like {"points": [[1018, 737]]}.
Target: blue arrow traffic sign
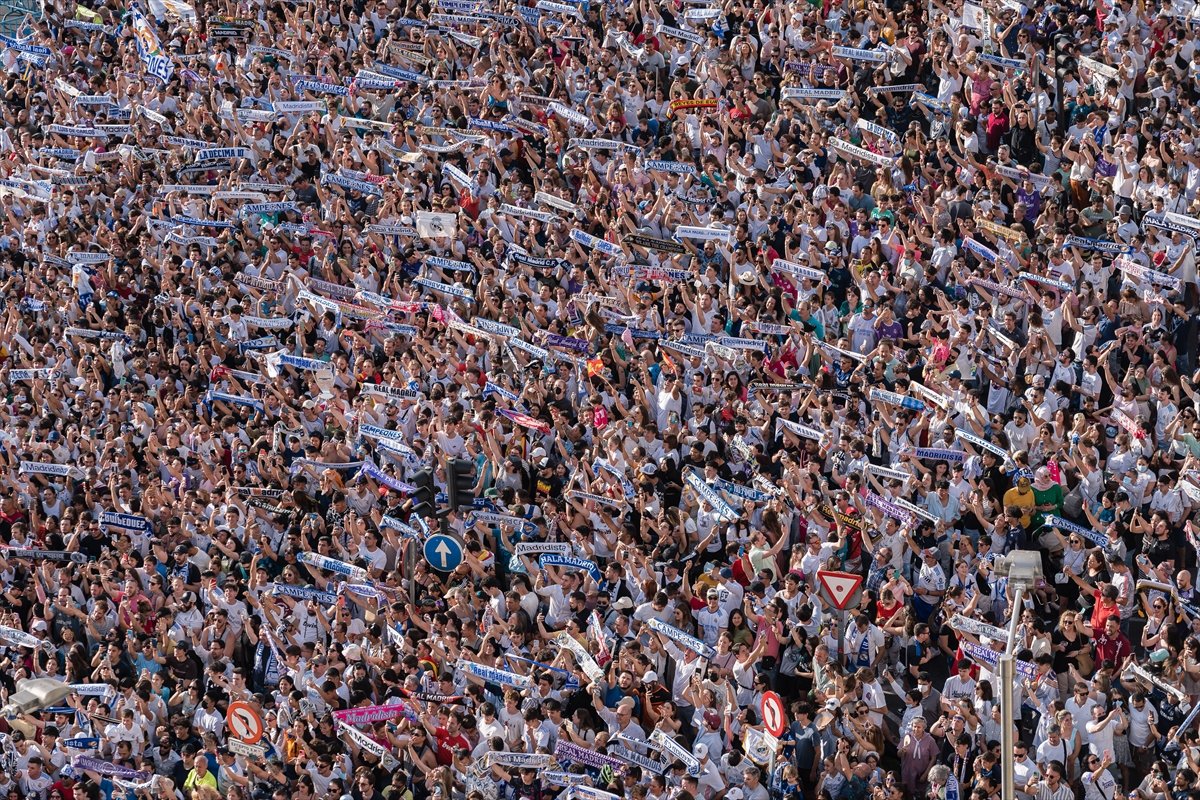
{"points": [[443, 553]]}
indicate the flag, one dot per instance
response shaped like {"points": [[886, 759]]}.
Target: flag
{"points": [[175, 9], [595, 366], [430, 224], [156, 64], [525, 421]]}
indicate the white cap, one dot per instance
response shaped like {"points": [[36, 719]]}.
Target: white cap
{"points": [[701, 751]]}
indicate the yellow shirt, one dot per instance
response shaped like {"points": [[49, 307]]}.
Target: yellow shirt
{"points": [[1014, 497], [209, 779]]}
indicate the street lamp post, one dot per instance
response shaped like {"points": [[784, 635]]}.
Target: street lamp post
{"points": [[1023, 568]]}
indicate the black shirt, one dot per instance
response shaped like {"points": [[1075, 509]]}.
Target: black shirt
{"points": [[94, 545]]}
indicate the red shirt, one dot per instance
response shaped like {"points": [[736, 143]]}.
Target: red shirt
{"points": [[447, 744], [995, 126], [1101, 611], [740, 574], [469, 204], [884, 613], [1116, 649]]}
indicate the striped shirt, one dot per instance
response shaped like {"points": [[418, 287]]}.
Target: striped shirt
{"points": [[1063, 792]]}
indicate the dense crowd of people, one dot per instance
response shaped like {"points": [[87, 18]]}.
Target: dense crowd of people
{"points": [[708, 296]]}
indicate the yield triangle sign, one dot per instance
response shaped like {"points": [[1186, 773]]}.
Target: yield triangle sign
{"points": [[841, 588]]}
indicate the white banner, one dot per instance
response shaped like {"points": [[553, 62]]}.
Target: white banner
{"points": [[803, 431], [555, 202], [973, 626], [800, 93], [681, 638], [364, 742], [582, 657], [537, 548], [711, 496], [704, 234], [669, 745], [854, 151]]}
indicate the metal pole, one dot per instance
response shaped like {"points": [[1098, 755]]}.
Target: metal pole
{"points": [[1007, 684], [410, 566]]}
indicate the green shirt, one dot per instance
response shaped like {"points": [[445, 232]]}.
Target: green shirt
{"points": [[1191, 443], [1041, 497]]}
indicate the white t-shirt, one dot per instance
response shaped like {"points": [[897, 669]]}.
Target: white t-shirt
{"points": [[1048, 752], [873, 696], [710, 623], [956, 688], [36, 787], [1140, 723], [377, 559], [1100, 736], [1083, 715], [1023, 773], [1103, 789], [119, 733]]}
